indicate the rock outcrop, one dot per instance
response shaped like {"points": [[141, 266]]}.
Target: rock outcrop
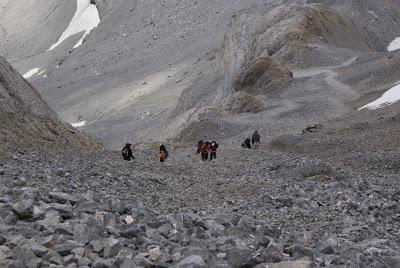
{"points": [[261, 75], [242, 102], [27, 121], [261, 47]]}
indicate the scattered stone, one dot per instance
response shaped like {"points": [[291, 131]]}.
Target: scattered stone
{"points": [[5, 253], [313, 128], [129, 219], [155, 254], [53, 257], [66, 248], [26, 256], [112, 247], [93, 229], [239, 257], [3, 239], [215, 228], [193, 261], [143, 261], [23, 207], [97, 245], [62, 197], [290, 264]]}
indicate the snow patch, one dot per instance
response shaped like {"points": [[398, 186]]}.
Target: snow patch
{"points": [[79, 124], [31, 73], [86, 18], [394, 45], [389, 97]]}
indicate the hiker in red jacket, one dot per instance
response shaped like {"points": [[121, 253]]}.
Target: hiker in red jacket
{"points": [[204, 151], [213, 150]]}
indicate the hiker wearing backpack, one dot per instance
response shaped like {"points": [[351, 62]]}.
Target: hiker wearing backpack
{"points": [[255, 140], [127, 154], [162, 154], [246, 144], [199, 144], [213, 150], [204, 151]]}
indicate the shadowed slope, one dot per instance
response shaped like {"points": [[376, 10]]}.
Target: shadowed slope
{"points": [[26, 120]]}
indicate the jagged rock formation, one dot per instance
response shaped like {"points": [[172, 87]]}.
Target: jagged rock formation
{"points": [[27, 121]]}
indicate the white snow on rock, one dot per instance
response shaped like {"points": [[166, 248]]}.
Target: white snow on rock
{"points": [[79, 124], [394, 45], [391, 96], [30, 73], [85, 19]]}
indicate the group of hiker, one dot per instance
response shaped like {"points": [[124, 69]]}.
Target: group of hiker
{"points": [[206, 149], [128, 155], [255, 141]]}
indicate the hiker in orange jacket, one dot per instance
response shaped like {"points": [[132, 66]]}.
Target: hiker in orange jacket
{"points": [[162, 154]]}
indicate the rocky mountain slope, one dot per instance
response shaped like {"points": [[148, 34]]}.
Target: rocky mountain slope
{"points": [[27, 122], [155, 70], [321, 192]]}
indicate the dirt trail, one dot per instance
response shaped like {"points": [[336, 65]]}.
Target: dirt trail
{"points": [[330, 77]]}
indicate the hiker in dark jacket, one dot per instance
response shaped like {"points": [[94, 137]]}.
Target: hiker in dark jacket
{"points": [[246, 143], [213, 150], [127, 152], [255, 140]]}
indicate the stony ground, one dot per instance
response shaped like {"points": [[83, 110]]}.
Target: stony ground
{"points": [[248, 208]]}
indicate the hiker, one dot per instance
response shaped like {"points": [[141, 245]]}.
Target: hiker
{"points": [[204, 151], [255, 140], [162, 154], [199, 144], [246, 143], [213, 150], [127, 152]]}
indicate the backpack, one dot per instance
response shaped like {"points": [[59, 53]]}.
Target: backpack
{"points": [[125, 152], [204, 148]]}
